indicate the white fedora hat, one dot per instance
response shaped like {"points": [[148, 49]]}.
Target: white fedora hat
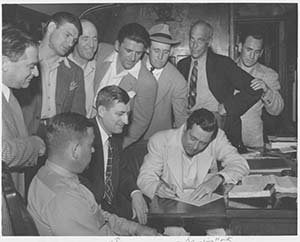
{"points": [[161, 33]]}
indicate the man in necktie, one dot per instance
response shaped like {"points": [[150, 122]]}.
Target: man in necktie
{"points": [[107, 177], [19, 60], [212, 85]]}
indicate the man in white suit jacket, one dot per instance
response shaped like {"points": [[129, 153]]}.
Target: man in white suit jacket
{"points": [[186, 158]]}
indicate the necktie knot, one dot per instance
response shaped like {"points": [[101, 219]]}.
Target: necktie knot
{"points": [[152, 69]]}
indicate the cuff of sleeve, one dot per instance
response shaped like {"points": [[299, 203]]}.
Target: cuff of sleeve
{"points": [[267, 97], [133, 192]]}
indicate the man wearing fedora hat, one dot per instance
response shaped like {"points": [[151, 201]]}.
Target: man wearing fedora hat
{"points": [[171, 97]]}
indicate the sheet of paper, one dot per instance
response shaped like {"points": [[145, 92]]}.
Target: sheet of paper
{"points": [[185, 197], [286, 184]]}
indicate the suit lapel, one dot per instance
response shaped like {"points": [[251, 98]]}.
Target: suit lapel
{"points": [[174, 163], [101, 69], [63, 80], [128, 83], [163, 85]]}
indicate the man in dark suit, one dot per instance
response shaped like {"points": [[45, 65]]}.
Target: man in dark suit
{"points": [[212, 80], [111, 183]]}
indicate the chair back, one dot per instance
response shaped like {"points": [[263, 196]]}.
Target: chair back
{"points": [[16, 220]]}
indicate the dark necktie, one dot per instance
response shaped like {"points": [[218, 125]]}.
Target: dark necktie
{"points": [[193, 86], [152, 69], [108, 191]]}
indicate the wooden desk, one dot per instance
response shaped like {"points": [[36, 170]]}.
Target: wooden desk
{"points": [[167, 212], [271, 221], [279, 220]]}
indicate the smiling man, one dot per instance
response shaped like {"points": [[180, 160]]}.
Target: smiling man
{"points": [[107, 177], [121, 65], [186, 158], [19, 60], [83, 55]]}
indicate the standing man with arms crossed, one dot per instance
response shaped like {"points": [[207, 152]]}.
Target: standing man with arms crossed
{"points": [[19, 60], [121, 65], [83, 56], [59, 204], [112, 184], [251, 49], [212, 80]]}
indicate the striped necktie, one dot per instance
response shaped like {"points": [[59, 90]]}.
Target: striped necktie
{"points": [[108, 190], [193, 86]]}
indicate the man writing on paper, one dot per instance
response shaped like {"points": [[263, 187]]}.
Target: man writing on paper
{"points": [[186, 158]]}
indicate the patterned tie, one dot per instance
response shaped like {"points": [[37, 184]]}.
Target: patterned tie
{"points": [[193, 86], [108, 190]]}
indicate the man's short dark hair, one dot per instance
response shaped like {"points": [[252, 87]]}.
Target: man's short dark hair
{"points": [[136, 32], [60, 18], [64, 128], [205, 119], [107, 95], [15, 42], [256, 33]]}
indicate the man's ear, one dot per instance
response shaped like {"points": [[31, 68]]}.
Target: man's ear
{"points": [[5, 63], [101, 110], [240, 46], [75, 147], [51, 27], [117, 45], [261, 53]]}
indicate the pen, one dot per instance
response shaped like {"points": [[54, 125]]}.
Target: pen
{"points": [[167, 185]]}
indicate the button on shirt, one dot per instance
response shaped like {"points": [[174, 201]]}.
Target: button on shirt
{"points": [[89, 74], [204, 98], [49, 78], [111, 76]]}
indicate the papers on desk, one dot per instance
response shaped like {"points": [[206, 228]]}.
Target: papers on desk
{"points": [[283, 184], [284, 144], [185, 198]]}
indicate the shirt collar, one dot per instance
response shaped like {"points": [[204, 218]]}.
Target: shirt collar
{"points": [[133, 71], [60, 170], [54, 65], [6, 92], [104, 135], [91, 65]]}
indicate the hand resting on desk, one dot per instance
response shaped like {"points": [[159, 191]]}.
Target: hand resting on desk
{"points": [[207, 188]]}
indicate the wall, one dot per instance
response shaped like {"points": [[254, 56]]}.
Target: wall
{"points": [[110, 21]]}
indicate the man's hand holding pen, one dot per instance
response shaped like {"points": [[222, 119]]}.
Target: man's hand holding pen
{"points": [[166, 190]]}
